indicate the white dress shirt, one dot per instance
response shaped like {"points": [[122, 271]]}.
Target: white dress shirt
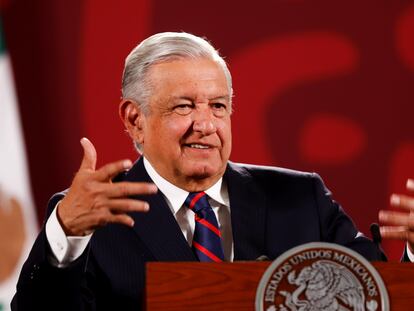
{"points": [[67, 249]]}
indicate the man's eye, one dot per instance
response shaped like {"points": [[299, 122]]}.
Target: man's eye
{"points": [[219, 106], [219, 109], [183, 109]]}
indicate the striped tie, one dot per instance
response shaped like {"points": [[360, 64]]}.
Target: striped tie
{"points": [[207, 236]]}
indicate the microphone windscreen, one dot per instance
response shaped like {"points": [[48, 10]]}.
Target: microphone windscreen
{"points": [[375, 232], [262, 258]]}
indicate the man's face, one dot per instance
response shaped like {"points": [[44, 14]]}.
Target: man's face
{"points": [[186, 135]]}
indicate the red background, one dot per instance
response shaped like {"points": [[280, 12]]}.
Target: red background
{"points": [[320, 85]]}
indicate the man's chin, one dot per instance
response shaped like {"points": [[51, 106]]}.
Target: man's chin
{"points": [[203, 171], [198, 177]]}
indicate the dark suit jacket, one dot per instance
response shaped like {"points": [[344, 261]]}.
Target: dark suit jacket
{"points": [[272, 210]]}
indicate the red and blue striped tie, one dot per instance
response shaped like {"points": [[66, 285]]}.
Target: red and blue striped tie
{"points": [[207, 236]]}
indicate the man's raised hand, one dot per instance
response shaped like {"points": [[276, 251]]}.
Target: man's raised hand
{"points": [[400, 224], [93, 200]]}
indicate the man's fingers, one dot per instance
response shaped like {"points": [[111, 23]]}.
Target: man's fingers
{"points": [[121, 219], [410, 184], [125, 189], [389, 232], [395, 232], [104, 218], [127, 205], [402, 201], [89, 155], [396, 219], [109, 171]]}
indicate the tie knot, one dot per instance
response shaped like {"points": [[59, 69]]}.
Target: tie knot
{"points": [[198, 203]]}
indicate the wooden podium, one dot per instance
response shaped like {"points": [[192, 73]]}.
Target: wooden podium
{"points": [[232, 286]]}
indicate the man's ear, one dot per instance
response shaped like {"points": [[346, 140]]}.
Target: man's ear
{"points": [[133, 119]]}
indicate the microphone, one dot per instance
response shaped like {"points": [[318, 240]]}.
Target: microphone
{"points": [[376, 238], [375, 233], [262, 258]]}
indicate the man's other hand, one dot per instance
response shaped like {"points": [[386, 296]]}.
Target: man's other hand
{"points": [[93, 200], [400, 225]]}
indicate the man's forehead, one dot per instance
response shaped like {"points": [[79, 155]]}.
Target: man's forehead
{"points": [[188, 74], [193, 66]]}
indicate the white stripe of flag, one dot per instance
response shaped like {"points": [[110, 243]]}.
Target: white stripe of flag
{"points": [[18, 224]]}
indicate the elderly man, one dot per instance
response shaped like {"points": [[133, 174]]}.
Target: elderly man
{"points": [[182, 200]]}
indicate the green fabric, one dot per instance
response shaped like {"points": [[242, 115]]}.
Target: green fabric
{"points": [[2, 45]]}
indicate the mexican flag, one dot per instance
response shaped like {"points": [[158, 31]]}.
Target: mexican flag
{"points": [[18, 224]]}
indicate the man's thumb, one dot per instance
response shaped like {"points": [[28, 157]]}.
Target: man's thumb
{"points": [[89, 154]]}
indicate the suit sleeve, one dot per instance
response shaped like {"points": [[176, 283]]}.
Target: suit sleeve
{"points": [[337, 226], [41, 286]]}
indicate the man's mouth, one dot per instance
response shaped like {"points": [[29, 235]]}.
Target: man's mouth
{"points": [[198, 146]]}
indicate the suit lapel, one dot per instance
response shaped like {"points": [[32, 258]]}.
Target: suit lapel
{"points": [[158, 228], [248, 213]]}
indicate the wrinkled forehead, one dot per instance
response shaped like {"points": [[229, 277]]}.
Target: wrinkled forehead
{"points": [[184, 75], [175, 66]]}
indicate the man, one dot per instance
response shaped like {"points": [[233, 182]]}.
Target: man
{"points": [[176, 106]]}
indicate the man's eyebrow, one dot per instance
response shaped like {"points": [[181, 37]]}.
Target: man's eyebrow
{"points": [[175, 98], [225, 97], [190, 98]]}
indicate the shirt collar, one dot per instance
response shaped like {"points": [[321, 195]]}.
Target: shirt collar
{"points": [[176, 196]]}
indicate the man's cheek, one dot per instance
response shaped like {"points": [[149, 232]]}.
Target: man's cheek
{"points": [[177, 126], [224, 127]]}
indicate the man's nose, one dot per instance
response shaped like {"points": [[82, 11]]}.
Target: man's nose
{"points": [[203, 122]]}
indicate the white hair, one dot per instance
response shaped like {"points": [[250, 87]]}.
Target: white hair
{"points": [[161, 47]]}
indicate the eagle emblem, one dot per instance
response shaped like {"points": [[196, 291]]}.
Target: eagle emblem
{"points": [[326, 286]]}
